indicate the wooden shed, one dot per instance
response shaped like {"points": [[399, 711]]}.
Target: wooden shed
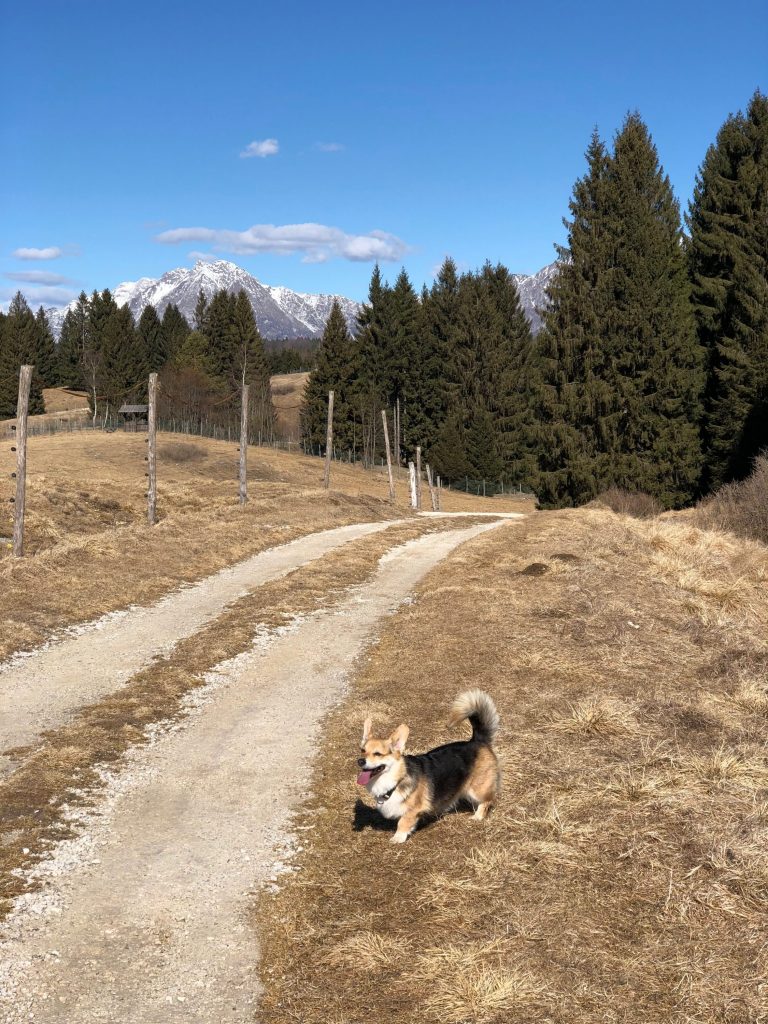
{"points": [[135, 418]]}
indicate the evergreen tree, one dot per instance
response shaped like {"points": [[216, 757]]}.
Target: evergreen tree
{"points": [[569, 352], [20, 346], [655, 364], [482, 445], [46, 362], [620, 398], [222, 342], [175, 330], [152, 339], [201, 313], [194, 354], [334, 371], [124, 369], [449, 452], [249, 365], [72, 344], [728, 259], [370, 375]]}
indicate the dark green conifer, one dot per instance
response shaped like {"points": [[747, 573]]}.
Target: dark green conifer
{"points": [[175, 330], [72, 344], [46, 363], [19, 347], [152, 338], [334, 371], [728, 259]]}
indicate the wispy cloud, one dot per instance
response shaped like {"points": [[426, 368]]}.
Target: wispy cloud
{"points": [[52, 252], [38, 296], [317, 242], [330, 147], [266, 147], [37, 277], [202, 257]]}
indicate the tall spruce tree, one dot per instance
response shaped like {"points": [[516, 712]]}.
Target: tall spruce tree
{"points": [[570, 354], [654, 362], [124, 367], [71, 346], [728, 260], [175, 330], [46, 363], [151, 337], [334, 371], [622, 371], [20, 345]]}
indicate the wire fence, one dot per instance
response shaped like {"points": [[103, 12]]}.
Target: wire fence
{"points": [[202, 427]]}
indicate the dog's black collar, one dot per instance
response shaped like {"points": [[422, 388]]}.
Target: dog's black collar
{"points": [[385, 796]]}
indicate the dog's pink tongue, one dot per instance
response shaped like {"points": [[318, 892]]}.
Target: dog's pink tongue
{"points": [[364, 777]]}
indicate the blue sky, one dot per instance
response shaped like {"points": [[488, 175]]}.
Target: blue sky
{"points": [[137, 135]]}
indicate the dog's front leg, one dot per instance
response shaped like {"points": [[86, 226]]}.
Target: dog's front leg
{"points": [[405, 826]]}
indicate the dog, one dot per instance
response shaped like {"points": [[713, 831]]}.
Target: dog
{"points": [[411, 787]]}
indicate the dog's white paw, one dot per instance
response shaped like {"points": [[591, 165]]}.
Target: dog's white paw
{"points": [[399, 837]]}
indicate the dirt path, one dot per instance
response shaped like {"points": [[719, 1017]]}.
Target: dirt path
{"points": [[40, 691], [145, 916]]}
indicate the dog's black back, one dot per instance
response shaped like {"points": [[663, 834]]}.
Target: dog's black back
{"points": [[445, 769]]}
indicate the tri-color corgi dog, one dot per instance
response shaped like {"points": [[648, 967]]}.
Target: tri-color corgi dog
{"points": [[410, 787]]}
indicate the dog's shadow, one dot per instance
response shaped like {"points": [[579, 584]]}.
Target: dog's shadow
{"points": [[369, 817]]}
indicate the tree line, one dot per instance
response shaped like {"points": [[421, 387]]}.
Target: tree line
{"points": [[650, 372], [105, 352]]}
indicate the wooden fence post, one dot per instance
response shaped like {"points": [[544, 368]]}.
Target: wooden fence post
{"points": [[244, 446], [432, 490], [389, 456], [412, 481], [152, 451], [418, 476], [328, 443], [22, 411]]}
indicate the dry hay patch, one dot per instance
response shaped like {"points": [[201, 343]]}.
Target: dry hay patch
{"points": [[592, 893]]}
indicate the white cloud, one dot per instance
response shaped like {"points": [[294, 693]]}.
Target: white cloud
{"points": [[317, 242], [42, 296], [267, 147], [330, 147], [51, 253], [37, 277]]}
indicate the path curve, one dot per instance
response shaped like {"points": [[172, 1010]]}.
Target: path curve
{"points": [[155, 929], [41, 690]]}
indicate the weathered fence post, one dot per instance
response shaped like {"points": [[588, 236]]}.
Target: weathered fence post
{"points": [[244, 446], [432, 490], [412, 481], [397, 433], [389, 456], [152, 451], [418, 476], [22, 411], [328, 443]]}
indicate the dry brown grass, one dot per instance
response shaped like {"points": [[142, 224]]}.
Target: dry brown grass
{"points": [[623, 877], [63, 770], [91, 552], [741, 507]]}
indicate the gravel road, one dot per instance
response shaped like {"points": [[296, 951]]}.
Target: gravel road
{"points": [[40, 691], [144, 918]]}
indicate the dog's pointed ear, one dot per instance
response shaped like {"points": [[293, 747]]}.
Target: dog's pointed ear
{"points": [[367, 725], [399, 738]]}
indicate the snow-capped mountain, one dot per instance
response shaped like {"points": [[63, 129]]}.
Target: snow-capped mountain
{"points": [[279, 312], [533, 296]]}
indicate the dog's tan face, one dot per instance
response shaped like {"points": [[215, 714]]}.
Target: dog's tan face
{"points": [[377, 755]]}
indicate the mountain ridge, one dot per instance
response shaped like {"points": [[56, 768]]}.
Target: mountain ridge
{"points": [[280, 312]]}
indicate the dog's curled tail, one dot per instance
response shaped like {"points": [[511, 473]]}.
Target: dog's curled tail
{"points": [[479, 708]]}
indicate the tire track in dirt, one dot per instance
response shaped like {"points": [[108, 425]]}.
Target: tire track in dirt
{"points": [[154, 926], [40, 691]]}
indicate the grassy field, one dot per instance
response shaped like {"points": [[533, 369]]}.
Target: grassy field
{"points": [[91, 552], [624, 876]]}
